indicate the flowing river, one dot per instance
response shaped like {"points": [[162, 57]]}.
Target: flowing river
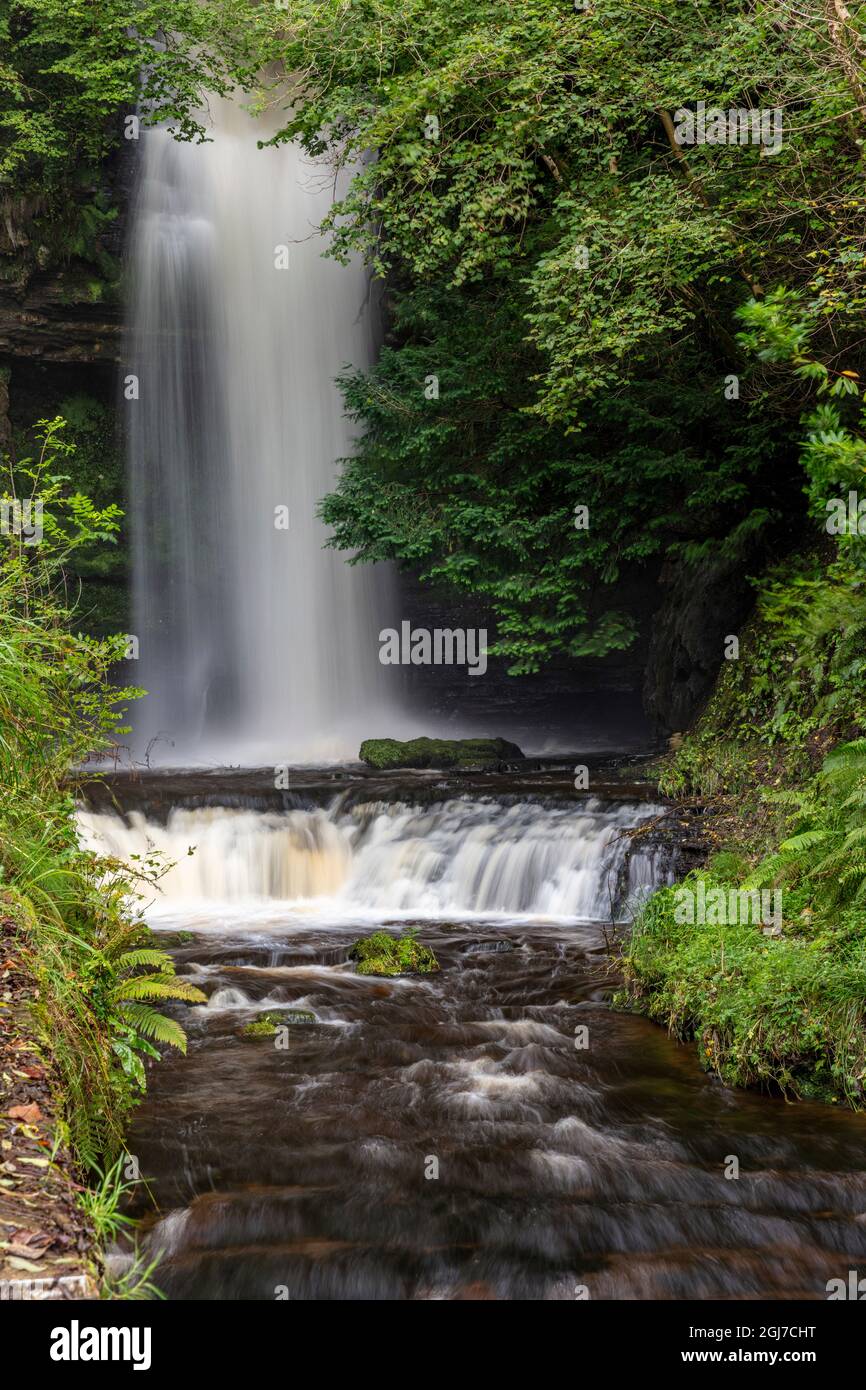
{"points": [[492, 1131]]}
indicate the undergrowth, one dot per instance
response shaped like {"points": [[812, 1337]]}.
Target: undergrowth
{"points": [[97, 971], [779, 760]]}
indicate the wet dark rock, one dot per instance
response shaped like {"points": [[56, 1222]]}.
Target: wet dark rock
{"points": [[699, 611]]}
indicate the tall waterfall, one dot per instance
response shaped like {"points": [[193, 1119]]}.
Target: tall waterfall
{"points": [[258, 644]]}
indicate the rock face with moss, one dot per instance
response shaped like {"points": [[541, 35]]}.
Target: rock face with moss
{"points": [[386, 753], [383, 954]]}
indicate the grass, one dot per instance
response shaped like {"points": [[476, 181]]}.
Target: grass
{"points": [[135, 1283], [97, 971], [779, 757], [785, 1014], [102, 1201]]}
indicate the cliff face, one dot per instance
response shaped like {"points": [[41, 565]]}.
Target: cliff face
{"points": [[698, 610], [61, 331], [60, 299], [56, 339], [56, 316], [593, 704]]}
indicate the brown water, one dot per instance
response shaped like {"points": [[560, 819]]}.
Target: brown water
{"points": [[309, 1172]]}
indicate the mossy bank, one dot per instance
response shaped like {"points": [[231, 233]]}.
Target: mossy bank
{"points": [[777, 766]]}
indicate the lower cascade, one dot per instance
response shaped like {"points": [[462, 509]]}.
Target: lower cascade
{"points": [[452, 857], [490, 1130]]}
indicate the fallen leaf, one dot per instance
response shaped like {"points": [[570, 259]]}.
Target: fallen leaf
{"points": [[30, 1114], [25, 1237], [31, 1252]]}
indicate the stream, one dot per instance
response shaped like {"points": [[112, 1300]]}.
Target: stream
{"points": [[491, 1131]]}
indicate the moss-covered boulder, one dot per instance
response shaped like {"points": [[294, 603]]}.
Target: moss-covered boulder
{"points": [[264, 1027], [387, 753], [383, 954], [267, 1024]]}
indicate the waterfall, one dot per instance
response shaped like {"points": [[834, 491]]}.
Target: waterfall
{"points": [[450, 859], [258, 644]]}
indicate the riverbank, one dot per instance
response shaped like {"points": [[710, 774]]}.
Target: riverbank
{"points": [[48, 1247], [774, 774], [82, 975]]}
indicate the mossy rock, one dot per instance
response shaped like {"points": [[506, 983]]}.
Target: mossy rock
{"points": [[267, 1025], [383, 954], [264, 1027], [388, 753], [175, 938]]}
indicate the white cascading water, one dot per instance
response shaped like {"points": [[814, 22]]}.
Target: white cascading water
{"points": [[450, 859], [258, 644]]}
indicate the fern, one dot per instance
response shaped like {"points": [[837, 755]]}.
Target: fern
{"points": [[146, 956], [805, 840], [157, 987], [828, 851], [151, 1024]]}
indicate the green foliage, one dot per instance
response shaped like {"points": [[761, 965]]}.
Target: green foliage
{"points": [[70, 72], [506, 140], [383, 954], [97, 970], [801, 671], [782, 329], [135, 1282], [784, 1012], [481, 493], [264, 1027], [103, 1199], [826, 854]]}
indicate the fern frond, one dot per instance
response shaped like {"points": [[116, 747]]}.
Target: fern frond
{"points": [[767, 872], [787, 796], [158, 987], [146, 956], [807, 839], [151, 1024]]}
